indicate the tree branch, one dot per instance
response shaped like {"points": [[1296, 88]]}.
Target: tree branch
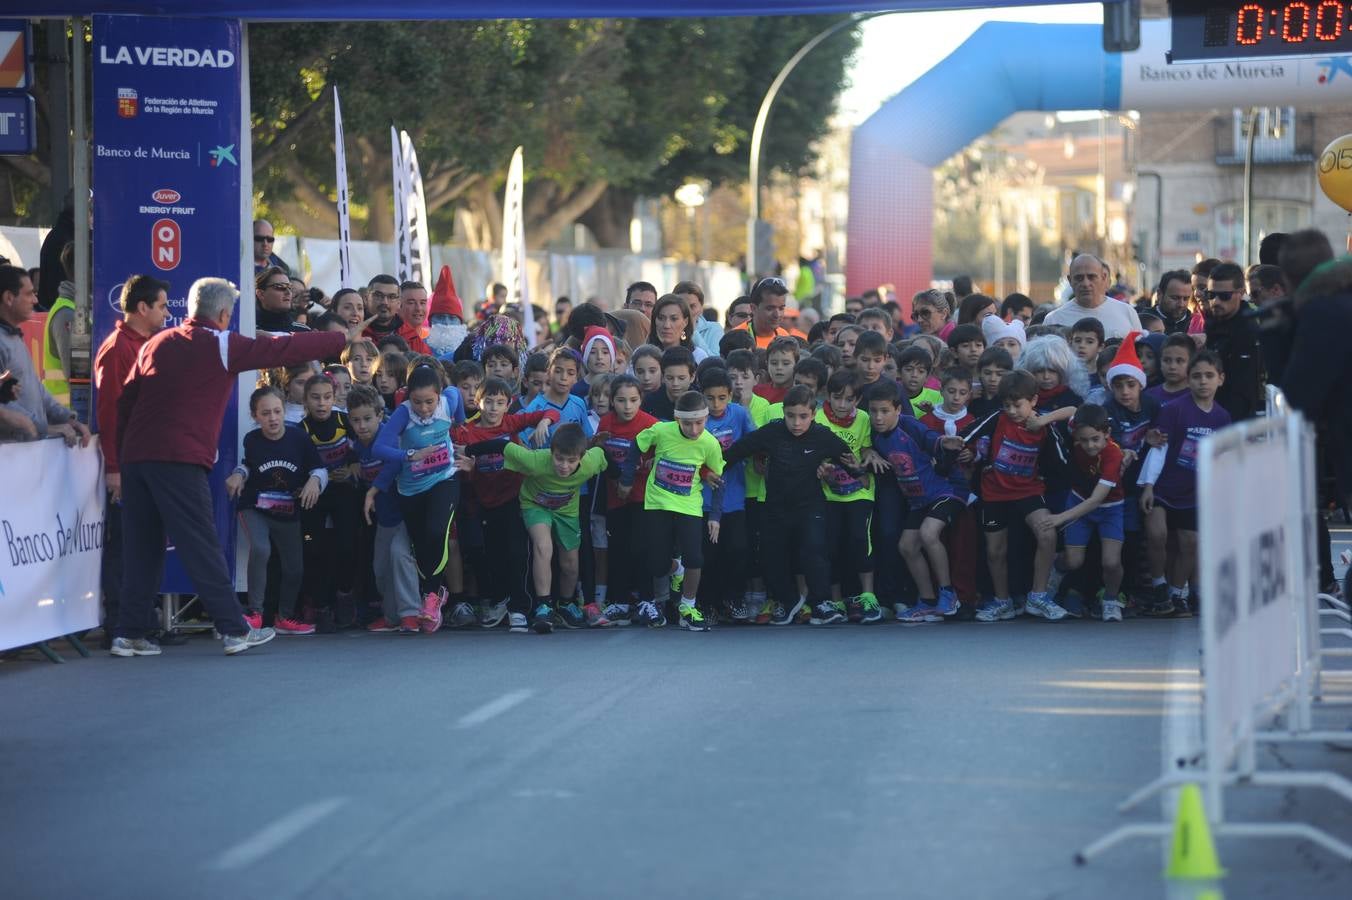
{"points": [[565, 213], [322, 210], [29, 168], [282, 139]]}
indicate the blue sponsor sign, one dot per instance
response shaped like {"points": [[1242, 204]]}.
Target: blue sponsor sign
{"points": [[17, 115], [166, 180]]}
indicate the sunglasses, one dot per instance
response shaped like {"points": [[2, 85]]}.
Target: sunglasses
{"points": [[1223, 296], [278, 286], [267, 239], [923, 313]]}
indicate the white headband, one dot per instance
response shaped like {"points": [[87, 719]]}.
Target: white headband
{"points": [[692, 413]]}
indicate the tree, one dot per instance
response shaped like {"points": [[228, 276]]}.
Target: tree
{"points": [[606, 110]]}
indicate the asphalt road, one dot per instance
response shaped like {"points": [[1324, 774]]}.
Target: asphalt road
{"points": [[948, 761]]}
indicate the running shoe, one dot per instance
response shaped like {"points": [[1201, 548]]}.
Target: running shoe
{"points": [[784, 615], [692, 619], [1112, 608], [854, 610], [1073, 603], [765, 614], [947, 604], [382, 626], [920, 613], [595, 618], [804, 614], [899, 610], [1020, 604], [463, 615], [516, 623], [570, 615], [291, 626], [1161, 605], [431, 610], [828, 613], [619, 614], [238, 643], [410, 625], [677, 578], [870, 612], [492, 614], [650, 614], [1182, 606], [996, 611], [134, 647], [1043, 606], [543, 620], [739, 610], [255, 619]]}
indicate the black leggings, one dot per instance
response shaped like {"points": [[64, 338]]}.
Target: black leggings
{"points": [[673, 534], [330, 553], [847, 524], [625, 555], [505, 567], [798, 535], [427, 516], [725, 563]]}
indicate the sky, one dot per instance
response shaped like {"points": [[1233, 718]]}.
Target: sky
{"points": [[897, 49]]}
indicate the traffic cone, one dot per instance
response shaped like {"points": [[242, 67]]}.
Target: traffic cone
{"points": [[1193, 856]]}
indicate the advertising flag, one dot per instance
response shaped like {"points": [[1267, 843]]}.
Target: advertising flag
{"points": [[514, 246], [401, 233], [415, 209], [344, 226]]}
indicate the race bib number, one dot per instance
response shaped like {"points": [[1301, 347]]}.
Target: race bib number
{"points": [[907, 479], [617, 450], [434, 462], [1018, 460], [841, 483], [673, 477], [333, 454], [553, 499], [276, 503], [1187, 453], [370, 470], [490, 462]]}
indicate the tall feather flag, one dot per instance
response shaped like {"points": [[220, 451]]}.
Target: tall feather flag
{"points": [[344, 226], [415, 208], [514, 246], [402, 240]]}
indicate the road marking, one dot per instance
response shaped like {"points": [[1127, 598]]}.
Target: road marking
{"points": [[278, 833], [1182, 731], [493, 709]]}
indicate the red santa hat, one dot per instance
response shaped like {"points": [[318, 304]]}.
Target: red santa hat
{"points": [[1126, 362], [592, 335], [445, 301]]}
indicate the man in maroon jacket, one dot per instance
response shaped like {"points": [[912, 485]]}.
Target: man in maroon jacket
{"points": [[145, 306], [169, 424]]}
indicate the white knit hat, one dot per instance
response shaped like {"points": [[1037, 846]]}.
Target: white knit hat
{"points": [[994, 328]]}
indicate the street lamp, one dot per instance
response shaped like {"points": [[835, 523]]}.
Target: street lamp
{"points": [[691, 196]]}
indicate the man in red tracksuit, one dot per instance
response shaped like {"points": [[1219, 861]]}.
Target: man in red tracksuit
{"points": [[168, 427]]}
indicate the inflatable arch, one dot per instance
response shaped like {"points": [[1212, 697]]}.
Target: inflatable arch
{"points": [[1009, 67]]}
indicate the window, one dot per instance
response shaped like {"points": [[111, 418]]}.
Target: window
{"points": [[1268, 216], [1276, 133]]}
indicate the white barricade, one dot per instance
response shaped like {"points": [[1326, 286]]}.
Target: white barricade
{"points": [[51, 528], [1260, 623]]}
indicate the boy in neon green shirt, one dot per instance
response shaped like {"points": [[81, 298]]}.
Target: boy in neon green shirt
{"points": [[673, 505], [849, 507], [742, 374]]}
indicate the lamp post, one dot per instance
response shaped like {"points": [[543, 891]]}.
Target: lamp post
{"points": [[691, 196]]}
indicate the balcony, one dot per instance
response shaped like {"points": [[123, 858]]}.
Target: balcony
{"points": [[1290, 144]]}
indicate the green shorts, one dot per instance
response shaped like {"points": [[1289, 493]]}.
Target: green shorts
{"points": [[565, 526]]}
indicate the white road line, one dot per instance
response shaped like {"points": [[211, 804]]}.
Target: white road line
{"points": [[493, 709], [1182, 737], [278, 833]]}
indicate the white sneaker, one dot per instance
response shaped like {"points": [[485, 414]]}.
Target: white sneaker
{"points": [[492, 614], [136, 647], [517, 623], [238, 643], [1112, 610], [1044, 606]]}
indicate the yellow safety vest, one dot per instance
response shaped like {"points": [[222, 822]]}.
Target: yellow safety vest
{"points": [[53, 376]]}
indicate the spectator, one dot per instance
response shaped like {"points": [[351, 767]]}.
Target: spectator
{"points": [[272, 295], [707, 333], [56, 334], [641, 296], [263, 241], [962, 286], [1089, 280], [42, 415], [931, 310], [1175, 291], [1233, 336], [1017, 306], [49, 258], [413, 305]]}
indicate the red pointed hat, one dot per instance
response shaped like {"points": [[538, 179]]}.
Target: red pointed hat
{"points": [[445, 301], [1126, 362]]}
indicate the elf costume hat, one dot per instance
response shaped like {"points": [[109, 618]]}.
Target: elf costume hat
{"points": [[1126, 362], [445, 301]]}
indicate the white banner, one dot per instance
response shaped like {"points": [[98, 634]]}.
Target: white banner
{"points": [[51, 526], [344, 226], [401, 232], [415, 209], [514, 246]]}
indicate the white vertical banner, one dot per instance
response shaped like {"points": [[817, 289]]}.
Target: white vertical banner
{"points": [[401, 231], [415, 209], [514, 246], [344, 225]]}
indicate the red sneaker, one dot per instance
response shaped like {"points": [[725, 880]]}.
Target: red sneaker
{"points": [[381, 626], [291, 626], [408, 625], [255, 619], [430, 617]]}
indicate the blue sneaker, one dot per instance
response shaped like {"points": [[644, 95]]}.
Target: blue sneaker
{"points": [[996, 611], [1044, 606], [543, 620], [947, 604], [570, 615], [921, 612]]}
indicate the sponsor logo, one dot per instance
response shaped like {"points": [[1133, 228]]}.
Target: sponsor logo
{"points": [[221, 155], [179, 57], [166, 195], [1331, 67], [127, 103], [166, 245]]}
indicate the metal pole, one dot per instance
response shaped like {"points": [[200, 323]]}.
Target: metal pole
{"points": [[79, 148], [763, 116], [58, 75], [1248, 185]]}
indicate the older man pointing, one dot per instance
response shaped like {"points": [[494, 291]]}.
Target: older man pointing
{"points": [[1089, 279], [169, 424]]}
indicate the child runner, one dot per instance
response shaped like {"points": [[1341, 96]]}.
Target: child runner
{"points": [[1177, 352], [724, 584], [780, 358], [427, 489], [678, 373], [952, 418], [1169, 480], [1131, 415], [913, 371], [624, 505], [647, 365], [360, 358], [331, 552], [279, 476], [742, 375], [849, 505]]}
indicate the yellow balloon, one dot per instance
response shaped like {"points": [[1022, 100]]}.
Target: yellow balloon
{"points": [[1335, 172]]}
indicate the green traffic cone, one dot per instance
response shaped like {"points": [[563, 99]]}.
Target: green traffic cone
{"points": [[1193, 856]]}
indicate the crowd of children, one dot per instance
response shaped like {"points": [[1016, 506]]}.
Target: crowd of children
{"points": [[854, 479]]}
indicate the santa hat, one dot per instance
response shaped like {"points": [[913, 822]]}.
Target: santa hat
{"points": [[1126, 362], [993, 329], [592, 335], [445, 301]]}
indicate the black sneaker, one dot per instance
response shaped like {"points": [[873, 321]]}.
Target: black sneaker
{"points": [[324, 622], [543, 620], [828, 613], [570, 615], [783, 615], [1181, 608], [1161, 605], [854, 610]]}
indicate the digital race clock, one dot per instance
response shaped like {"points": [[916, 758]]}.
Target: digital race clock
{"points": [[1236, 29]]}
